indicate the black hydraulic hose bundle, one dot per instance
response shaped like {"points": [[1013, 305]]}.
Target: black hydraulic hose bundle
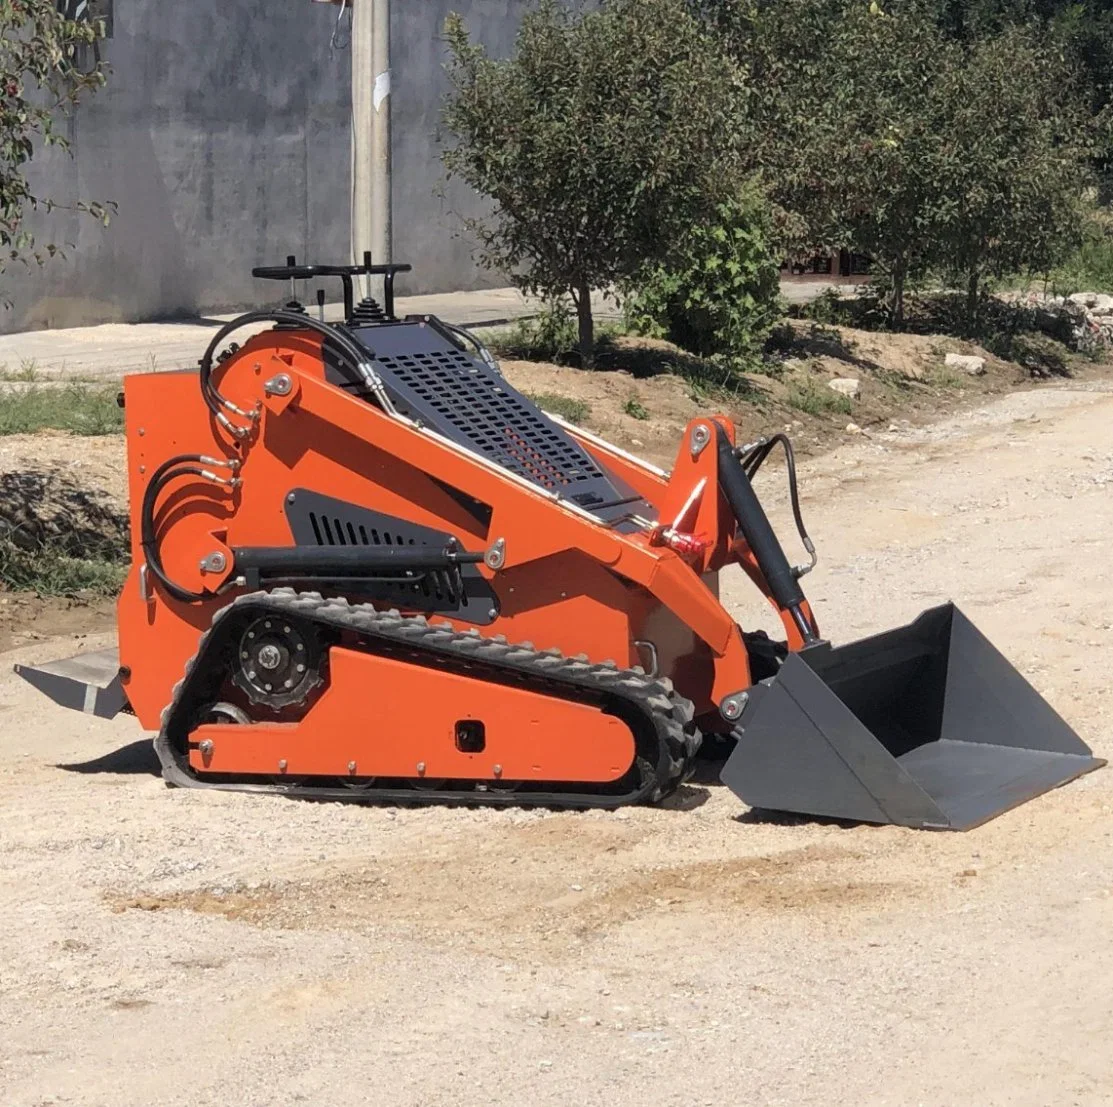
{"points": [[292, 561], [752, 461], [215, 401], [179, 466], [193, 464], [182, 465]]}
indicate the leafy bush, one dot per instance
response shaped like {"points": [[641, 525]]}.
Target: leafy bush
{"points": [[719, 291], [814, 399], [59, 536], [635, 408], [1090, 267], [50, 573], [548, 336]]}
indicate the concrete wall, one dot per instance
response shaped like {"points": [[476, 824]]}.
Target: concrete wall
{"points": [[223, 135]]}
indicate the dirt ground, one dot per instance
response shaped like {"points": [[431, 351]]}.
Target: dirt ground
{"points": [[903, 382], [173, 947]]}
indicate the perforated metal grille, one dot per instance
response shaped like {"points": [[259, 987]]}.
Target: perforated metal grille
{"points": [[494, 419]]}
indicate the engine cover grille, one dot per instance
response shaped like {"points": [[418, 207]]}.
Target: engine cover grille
{"points": [[465, 400]]}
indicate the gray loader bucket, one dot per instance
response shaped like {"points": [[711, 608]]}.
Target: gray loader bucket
{"points": [[925, 726]]}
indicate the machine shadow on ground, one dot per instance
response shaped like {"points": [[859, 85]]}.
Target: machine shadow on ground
{"points": [[135, 759]]}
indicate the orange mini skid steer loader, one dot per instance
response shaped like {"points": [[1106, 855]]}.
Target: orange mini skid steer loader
{"points": [[367, 568]]}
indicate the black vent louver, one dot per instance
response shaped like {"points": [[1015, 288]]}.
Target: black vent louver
{"points": [[317, 520]]}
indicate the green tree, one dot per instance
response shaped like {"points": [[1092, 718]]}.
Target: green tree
{"points": [[40, 82], [852, 142], [1082, 30], [599, 141], [1013, 160], [880, 132]]}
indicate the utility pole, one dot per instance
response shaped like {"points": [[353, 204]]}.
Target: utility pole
{"points": [[371, 208], [381, 229]]}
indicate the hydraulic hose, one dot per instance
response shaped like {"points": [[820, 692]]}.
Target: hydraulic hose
{"points": [[480, 348], [215, 401], [752, 461], [191, 464], [760, 537], [179, 465]]}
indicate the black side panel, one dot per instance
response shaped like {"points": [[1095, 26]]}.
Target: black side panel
{"points": [[317, 520]]}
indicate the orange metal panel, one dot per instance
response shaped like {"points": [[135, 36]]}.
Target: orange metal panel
{"points": [[694, 491], [389, 717], [533, 524]]}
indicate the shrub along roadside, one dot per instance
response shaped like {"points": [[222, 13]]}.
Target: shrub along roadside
{"points": [[56, 537], [49, 573], [575, 411], [718, 292], [77, 408]]}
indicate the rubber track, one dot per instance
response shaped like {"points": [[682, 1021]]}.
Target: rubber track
{"points": [[669, 715]]}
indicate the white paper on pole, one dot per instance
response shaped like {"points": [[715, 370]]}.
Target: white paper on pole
{"points": [[382, 88]]}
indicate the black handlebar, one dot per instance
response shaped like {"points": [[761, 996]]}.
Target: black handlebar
{"points": [[304, 272], [291, 271]]}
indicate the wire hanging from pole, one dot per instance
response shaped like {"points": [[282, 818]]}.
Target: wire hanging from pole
{"points": [[337, 41]]}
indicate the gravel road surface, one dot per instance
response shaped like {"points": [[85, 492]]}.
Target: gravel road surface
{"points": [[180, 948]]}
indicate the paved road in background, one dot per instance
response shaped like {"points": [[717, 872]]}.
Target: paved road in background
{"points": [[113, 349]]}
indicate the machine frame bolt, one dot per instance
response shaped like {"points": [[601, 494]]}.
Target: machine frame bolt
{"points": [[421, 768], [214, 562], [279, 385], [282, 765], [497, 770], [269, 657], [732, 706], [701, 436], [351, 767], [206, 748], [495, 557]]}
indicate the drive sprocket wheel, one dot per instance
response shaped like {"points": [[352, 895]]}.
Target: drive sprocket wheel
{"points": [[278, 662]]}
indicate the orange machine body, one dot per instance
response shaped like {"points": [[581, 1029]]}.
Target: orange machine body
{"points": [[565, 582]]}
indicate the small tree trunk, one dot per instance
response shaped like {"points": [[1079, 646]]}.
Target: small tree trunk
{"points": [[582, 298], [972, 300], [896, 309]]}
